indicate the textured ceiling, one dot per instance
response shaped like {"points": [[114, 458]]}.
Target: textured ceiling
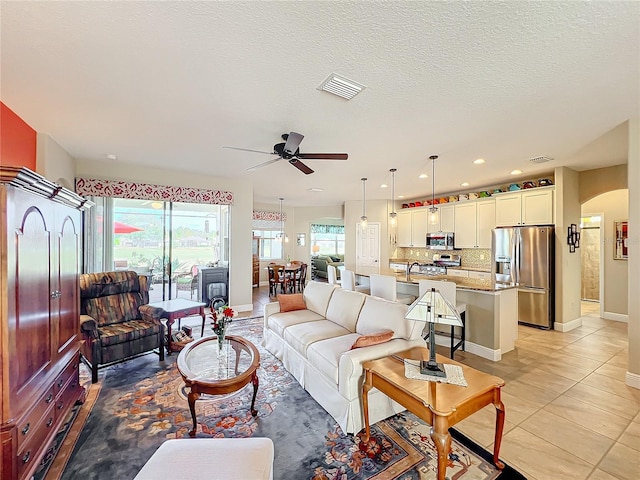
{"points": [[168, 84]]}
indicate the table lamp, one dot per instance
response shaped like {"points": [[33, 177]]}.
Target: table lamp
{"points": [[433, 308], [315, 249]]}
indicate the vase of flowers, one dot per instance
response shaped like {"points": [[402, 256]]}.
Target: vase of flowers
{"points": [[221, 318]]}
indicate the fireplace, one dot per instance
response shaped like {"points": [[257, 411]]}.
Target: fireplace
{"points": [[213, 283]]}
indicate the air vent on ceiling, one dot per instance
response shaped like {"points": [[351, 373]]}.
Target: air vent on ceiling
{"points": [[543, 159], [341, 86]]}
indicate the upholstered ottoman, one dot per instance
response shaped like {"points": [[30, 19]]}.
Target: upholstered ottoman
{"points": [[216, 458]]}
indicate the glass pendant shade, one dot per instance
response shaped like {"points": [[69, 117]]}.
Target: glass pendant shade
{"points": [[393, 215], [434, 218], [363, 218]]}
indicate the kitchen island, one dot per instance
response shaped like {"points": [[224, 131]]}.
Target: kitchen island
{"points": [[491, 314]]}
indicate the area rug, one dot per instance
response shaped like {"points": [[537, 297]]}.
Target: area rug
{"points": [[143, 402]]}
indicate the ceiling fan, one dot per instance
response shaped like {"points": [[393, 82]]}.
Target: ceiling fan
{"points": [[288, 150]]}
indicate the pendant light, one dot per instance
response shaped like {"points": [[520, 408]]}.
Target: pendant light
{"points": [[393, 213], [363, 218], [433, 210], [282, 235]]}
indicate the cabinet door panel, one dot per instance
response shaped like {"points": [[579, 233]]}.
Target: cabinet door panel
{"points": [[508, 210], [465, 225], [486, 222], [447, 217], [404, 229], [419, 228], [537, 207]]}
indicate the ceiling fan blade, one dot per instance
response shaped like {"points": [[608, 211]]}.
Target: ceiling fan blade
{"points": [[255, 167], [323, 156], [300, 166], [249, 150], [293, 142]]}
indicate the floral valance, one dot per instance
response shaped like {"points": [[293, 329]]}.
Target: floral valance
{"points": [[335, 229], [263, 220], [147, 191]]}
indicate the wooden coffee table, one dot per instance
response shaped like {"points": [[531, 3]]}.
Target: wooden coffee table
{"points": [[441, 405], [205, 371]]}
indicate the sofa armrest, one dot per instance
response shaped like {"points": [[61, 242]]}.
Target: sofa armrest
{"points": [[270, 309], [350, 371], [88, 326]]}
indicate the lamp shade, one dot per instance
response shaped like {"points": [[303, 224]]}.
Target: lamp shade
{"points": [[432, 307], [315, 248]]}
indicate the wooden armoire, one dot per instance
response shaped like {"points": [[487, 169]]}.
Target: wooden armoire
{"points": [[40, 245]]}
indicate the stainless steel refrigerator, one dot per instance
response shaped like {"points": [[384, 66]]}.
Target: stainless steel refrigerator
{"points": [[525, 256]]}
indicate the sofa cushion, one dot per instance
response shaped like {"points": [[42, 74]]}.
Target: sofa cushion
{"points": [[344, 308], [127, 331], [372, 339], [278, 322], [317, 295], [378, 314], [325, 354], [302, 335], [291, 301]]}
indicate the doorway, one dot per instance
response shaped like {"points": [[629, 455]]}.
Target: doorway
{"points": [[590, 260]]}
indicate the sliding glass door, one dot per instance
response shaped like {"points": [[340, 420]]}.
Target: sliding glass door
{"points": [[168, 241]]}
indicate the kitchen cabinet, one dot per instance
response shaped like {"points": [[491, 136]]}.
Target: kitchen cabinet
{"points": [[412, 228], [479, 275], [40, 256], [457, 273], [473, 224], [527, 207], [446, 216]]}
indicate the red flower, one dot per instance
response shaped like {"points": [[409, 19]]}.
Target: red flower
{"points": [[227, 312]]}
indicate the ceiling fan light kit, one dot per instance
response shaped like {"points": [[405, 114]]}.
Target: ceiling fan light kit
{"points": [[289, 150]]}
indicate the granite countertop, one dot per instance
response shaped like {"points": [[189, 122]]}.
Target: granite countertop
{"points": [[462, 283]]}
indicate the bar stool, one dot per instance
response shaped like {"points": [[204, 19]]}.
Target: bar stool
{"points": [[348, 279], [332, 275], [448, 291], [384, 286]]}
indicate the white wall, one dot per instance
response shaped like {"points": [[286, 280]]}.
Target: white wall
{"points": [[615, 206], [53, 162], [633, 374], [240, 272]]}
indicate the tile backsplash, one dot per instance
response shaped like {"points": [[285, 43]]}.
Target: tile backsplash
{"points": [[470, 257]]}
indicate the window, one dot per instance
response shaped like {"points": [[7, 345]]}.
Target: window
{"points": [[270, 244], [330, 239]]}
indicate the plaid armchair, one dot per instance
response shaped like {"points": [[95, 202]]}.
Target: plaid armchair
{"points": [[114, 321]]}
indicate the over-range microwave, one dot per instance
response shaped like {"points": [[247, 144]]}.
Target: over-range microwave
{"points": [[440, 240]]}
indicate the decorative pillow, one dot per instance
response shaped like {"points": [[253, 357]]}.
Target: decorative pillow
{"points": [[372, 339], [291, 301], [336, 259]]}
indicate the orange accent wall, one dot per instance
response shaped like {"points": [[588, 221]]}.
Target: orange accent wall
{"points": [[17, 140]]}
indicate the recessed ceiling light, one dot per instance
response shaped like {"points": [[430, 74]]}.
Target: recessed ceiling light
{"points": [[315, 189], [516, 172], [423, 175], [464, 184], [478, 161], [400, 196], [111, 156], [384, 185]]}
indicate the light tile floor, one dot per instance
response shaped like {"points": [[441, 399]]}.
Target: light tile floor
{"points": [[569, 414]]}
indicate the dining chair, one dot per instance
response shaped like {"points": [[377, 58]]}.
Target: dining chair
{"points": [[277, 278], [448, 291], [385, 286], [332, 275], [301, 277], [348, 282]]}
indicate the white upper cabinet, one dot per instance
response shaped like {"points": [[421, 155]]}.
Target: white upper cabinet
{"points": [[473, 224], [412, 228], [445, 223], [526, 207]]}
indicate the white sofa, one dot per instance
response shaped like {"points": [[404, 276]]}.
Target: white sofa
{"points": [[314, 345]]}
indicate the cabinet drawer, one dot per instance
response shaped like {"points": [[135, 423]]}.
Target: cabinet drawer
{"points": [[28, 425], [67, 398], [480, 275], [457, 273], [70, 371], [29, 452]]}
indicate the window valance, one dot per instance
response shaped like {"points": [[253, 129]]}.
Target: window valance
{"points": [[147, 191], [267, 220], [335, 229]]}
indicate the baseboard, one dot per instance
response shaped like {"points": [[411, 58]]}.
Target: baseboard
{"points": [[632, 379], [484, 352], [617, 317], [567, 326], [243, 308]]}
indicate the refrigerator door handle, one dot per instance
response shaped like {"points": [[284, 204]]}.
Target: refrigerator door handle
{"points": [[513, 265]]}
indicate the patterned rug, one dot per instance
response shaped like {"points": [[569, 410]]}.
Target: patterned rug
{"points": [[143, 402]]}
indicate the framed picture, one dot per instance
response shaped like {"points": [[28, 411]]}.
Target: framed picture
{"points": [[620, 251]]}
